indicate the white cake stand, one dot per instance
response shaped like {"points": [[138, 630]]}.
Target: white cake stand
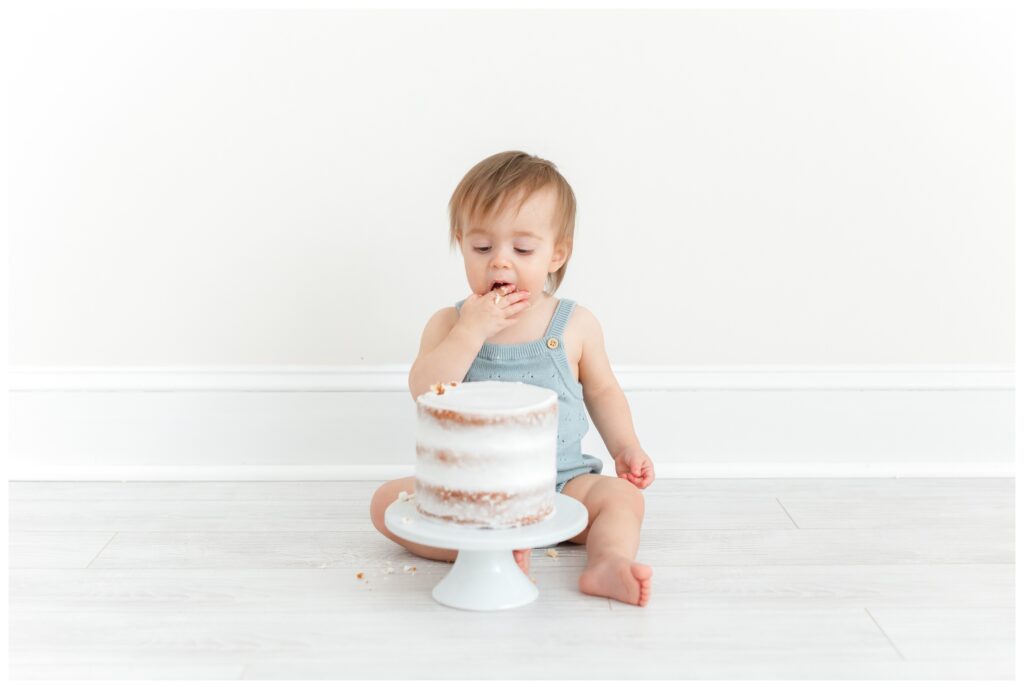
{"points": [[485, 575]]}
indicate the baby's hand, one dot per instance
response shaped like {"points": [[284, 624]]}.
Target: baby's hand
{"points": [[485, 315], [635, 466]]}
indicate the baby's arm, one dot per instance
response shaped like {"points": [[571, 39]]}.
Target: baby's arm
{"points": [[446, 352], [608, 406], [453, 338]]}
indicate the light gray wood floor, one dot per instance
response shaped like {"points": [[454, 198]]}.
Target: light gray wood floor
{"points": [[753, 579]]}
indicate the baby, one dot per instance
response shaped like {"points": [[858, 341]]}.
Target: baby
{"points": [[512, 216]]}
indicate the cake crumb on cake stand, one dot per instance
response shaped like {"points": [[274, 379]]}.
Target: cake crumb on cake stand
{"points": [[485, 575]]}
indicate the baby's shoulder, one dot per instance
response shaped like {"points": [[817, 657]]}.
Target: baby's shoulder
{"points": [[582, 332], [444, 319], [447, 313], [583, 321], [437, 328]]}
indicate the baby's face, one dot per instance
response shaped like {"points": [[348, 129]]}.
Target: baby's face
{"points": [[517, 249]]}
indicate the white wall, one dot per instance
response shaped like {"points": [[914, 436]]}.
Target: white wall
{"points": [[228, 229], [220, 188]]}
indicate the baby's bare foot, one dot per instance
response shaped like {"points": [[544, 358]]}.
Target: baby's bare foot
{"points": [[523, 559], [618, 577]]}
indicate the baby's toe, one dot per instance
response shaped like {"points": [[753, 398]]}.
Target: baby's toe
{"points": [[643, 574], [645, 591]]}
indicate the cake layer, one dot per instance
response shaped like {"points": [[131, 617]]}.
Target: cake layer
{"points": [[489, 398], [488, 509], [463, 438], [484, 468], [447, 418]]}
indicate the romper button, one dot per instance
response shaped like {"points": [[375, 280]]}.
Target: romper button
{"points": [[552, 343]]}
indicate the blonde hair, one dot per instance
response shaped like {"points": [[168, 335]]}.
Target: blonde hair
{"points": [[493, 182]]}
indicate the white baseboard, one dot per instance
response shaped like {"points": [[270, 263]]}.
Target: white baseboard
{"points": [[385, 472], [359, 423]]}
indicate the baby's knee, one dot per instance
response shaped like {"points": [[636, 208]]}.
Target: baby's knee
{"points": [[384, 496], [628, 495], [637, 498], [377, 508]]}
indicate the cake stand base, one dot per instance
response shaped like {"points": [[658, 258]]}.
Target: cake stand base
{"points": [[485, 575]]}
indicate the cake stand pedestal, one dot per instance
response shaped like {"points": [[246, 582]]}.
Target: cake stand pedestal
{"points": [[485, 575]]}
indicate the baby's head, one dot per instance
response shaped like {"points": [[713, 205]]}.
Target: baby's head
{"points": [[513, 217]]}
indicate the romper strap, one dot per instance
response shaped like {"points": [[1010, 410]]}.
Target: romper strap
{"points": [[561, 317]]}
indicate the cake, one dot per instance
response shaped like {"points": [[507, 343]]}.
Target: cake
{"points": [[486, 454]]}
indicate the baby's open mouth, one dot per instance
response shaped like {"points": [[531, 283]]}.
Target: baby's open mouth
{"points": [[499, 285]]}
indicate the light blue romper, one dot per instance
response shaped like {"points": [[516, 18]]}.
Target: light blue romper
{"points": [[543, 362]]}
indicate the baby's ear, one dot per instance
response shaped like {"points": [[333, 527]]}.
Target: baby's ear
{"points": [[560, 256]]}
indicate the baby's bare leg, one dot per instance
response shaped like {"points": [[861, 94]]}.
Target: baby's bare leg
{"points": [[616, 510], [382, 499], [615, 531]]}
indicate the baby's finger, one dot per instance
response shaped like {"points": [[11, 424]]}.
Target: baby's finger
{"points": [[516, 307], [521, 302], [517, 298]]}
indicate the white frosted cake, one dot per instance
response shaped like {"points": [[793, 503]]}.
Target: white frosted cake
{"points": [[486, 453]]}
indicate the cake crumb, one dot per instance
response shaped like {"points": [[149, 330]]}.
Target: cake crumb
{"points": [[406, 497], [452, 384], [359, 575], [552, 553], [410, 568], [406, 520], [438, 388]]}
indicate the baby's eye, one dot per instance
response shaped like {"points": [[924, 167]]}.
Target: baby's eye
{"points": [[485, 249]]}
